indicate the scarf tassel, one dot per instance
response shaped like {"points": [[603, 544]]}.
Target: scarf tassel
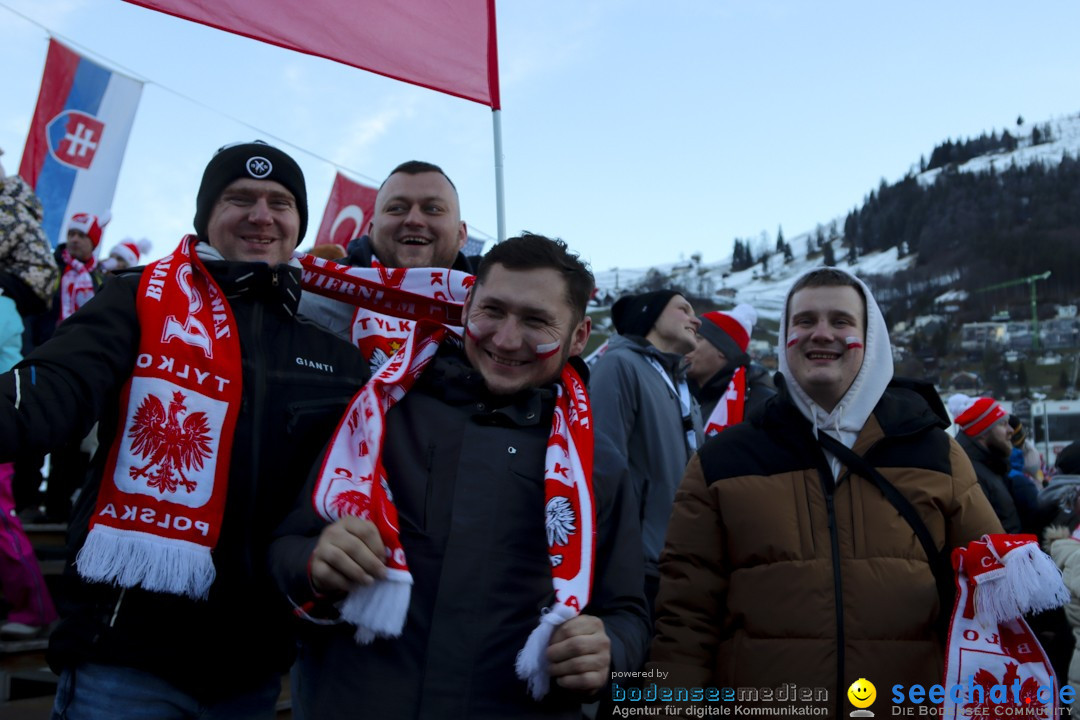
{"points": [[532, 663], [379, 609], [1030, 583], [132, 559]]}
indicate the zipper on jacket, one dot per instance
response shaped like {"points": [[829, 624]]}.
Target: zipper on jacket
{"points": [[257, 401], [116, 610], [838, 587]]}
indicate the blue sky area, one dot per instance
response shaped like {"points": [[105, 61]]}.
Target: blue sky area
{"points": [[640, 132]]}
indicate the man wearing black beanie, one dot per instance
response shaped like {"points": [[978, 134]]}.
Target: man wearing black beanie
{"points": [[647, 423], [214, 401]]}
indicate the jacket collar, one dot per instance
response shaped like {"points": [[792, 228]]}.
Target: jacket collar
{"points": [[279, 286], [452, 379]]}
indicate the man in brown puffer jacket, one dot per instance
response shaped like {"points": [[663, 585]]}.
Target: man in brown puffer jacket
{"points": [[782, 565]]}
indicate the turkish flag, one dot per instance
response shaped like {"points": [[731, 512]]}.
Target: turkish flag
{"points": [[444, 45], [348, 212]]}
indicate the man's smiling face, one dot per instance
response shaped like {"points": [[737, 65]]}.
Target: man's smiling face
{"points": [[822, 359], [521, 328]]}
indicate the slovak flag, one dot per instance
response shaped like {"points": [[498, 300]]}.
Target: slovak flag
{"points": [[76, 142]]}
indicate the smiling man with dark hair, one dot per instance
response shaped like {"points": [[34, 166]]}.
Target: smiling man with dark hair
{"points": [[484, 448]]}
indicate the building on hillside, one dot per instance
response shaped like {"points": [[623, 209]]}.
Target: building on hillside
{"points": [[983, 335]]}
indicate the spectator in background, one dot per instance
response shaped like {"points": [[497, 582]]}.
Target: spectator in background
{"points": [[28, 270], [984, 433], [81, 276], [722, 378], [1058, 500], [1059, 503], [27, 276], [644, 411], [1025, 459], [125, 255]]}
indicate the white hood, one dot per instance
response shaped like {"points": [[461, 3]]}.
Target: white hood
{"points": [[850, 414]]}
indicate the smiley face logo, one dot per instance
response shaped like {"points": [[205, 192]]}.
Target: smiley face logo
{"points": [[862, 693]]}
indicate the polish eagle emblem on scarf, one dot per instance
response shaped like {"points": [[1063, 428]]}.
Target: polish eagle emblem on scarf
{"points": [[171, 446], [559, 522]]}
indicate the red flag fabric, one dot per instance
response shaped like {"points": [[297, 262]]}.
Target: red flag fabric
{"points": [[348, 212], [444, 45]]}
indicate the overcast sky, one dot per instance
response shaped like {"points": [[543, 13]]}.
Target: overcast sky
{"points": [[639, 131]]}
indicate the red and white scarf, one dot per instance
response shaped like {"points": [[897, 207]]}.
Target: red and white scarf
{"points": [[388, 300], [352, 481], [162, 497], [76, 284], [731, 407], [999, 578]]}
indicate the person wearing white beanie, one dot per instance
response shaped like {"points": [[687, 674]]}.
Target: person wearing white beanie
{"points": [[126, 254]]}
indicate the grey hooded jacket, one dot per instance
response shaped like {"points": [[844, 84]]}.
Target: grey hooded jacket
{"points": [[640, 431]]}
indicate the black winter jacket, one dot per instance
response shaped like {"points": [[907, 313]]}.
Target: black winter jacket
{"points": [[467, 474], [759, 388], [296, 382], [1015, 505]]}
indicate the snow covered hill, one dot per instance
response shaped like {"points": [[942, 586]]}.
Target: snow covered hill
{"points": [[766, 290]]}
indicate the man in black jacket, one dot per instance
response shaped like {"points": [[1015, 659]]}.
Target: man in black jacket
{"points": [[984, 433], [169, 611], [467, 462]]}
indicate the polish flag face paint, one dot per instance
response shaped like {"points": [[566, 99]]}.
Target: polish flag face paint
{"points": [[546, 350], [792, 339], [853, 343]]}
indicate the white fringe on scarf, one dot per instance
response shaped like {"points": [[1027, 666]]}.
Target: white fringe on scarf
{"points": [[379, 609], [128, 558], [1030, 583], [532, 662]]}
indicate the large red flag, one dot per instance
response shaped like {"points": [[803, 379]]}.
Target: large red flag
{"points": [[348, 212], [444, 45]]}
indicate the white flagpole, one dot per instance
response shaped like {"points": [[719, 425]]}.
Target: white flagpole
{"points": [[500, 207]]}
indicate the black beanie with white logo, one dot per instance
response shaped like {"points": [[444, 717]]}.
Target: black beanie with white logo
{"points": [[255, 160]]}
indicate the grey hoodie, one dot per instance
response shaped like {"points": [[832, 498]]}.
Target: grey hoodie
{"points": [[851, 413], [639, 432]]}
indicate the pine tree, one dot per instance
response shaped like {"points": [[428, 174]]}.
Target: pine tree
{"points": [[780, 239], [830, 256]]}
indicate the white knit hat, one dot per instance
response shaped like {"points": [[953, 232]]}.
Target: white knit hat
{"points": [[131, 250]]}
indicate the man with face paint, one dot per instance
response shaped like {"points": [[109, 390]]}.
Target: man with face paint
{"points": [[783, 564], [465, 452]]}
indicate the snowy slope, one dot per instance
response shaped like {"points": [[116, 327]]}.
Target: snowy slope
{"points": [[767, 292]]}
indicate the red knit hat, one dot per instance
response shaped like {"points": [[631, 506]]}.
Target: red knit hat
{"points": [[733, 326], [975, 415], [90, 225]]}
